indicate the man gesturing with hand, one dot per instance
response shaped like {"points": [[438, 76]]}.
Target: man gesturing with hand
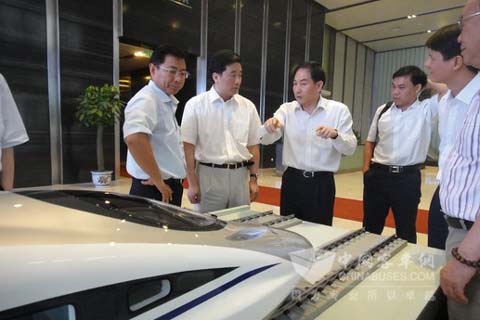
{"points": [[316, 132]]}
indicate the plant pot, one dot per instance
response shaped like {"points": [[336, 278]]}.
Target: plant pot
{"points": [[101, 178]]}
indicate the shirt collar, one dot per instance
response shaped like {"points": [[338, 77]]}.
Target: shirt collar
{"points": [[322, 103], [412, 106], [468, 92], [214, 96], [163, 96]]}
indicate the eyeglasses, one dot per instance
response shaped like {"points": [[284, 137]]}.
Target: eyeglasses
{"points": [[462, 20], [174, 72]]}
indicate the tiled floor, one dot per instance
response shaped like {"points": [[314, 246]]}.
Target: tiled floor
{"points": [[348, 185]]}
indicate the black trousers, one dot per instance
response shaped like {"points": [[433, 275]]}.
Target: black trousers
{"points": [[399, 191], [309, 199], [138, 189], [437, 226]]}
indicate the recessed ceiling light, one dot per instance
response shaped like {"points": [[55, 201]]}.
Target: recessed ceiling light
{"points": [[429, 31], [140, 54]]}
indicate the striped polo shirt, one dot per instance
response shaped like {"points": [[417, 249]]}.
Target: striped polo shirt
{"points": [[460, 186]]}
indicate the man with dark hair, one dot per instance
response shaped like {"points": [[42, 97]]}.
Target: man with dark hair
{"points": [[445, 64], [316, 132], [460, 190], [396, 147], [219, 130], [155, 157]]}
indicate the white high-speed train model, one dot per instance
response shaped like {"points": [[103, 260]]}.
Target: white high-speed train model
{"points": [[73, 254]]}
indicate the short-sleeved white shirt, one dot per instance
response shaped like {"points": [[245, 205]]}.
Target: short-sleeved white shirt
{"points": [[302, 148], [451, 115], [220, 130], [403, 136], [12, 130], [151, 111]]}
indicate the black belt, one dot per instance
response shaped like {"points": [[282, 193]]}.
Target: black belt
{"points": [[229, 165], [309, 174], [458, 223], [395, 169], [170, 179]]}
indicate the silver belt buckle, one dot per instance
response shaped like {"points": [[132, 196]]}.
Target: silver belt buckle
{"points": [[305, 174], [395, 169], [462, 224]]}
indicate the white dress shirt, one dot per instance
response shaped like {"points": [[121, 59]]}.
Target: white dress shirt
{"points": [[460, 186], [403, 136], [152, 111], [302, 148], [12, 130], [451, 115], [220, 130]]}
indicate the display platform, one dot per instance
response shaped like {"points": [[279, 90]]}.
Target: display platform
{"points": [[355, 274]]}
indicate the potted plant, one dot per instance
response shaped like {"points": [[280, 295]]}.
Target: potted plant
{"points": [[99, 107]]}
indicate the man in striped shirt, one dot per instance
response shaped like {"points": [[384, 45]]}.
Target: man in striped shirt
{"points": [[460, 191]]}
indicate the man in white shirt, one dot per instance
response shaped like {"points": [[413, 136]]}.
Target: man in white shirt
{"points": [[316, 133], [460, 189], [396, 147], [12, 133], [155, 158], [445, 64], [219, 130]]}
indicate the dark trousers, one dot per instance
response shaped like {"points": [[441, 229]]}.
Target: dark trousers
{"points": [[138, 189], [401, 192], [309, 199], [437, 226]]}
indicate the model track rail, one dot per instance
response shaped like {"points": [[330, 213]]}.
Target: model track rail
{"points": [[367, 253]]}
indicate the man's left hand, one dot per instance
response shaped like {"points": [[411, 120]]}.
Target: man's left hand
{"points": [[326, 132], [453, 279], [254, 190]]}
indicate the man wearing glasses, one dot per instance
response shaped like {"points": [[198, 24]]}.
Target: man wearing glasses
{"points": [[459, 194], [155, 158]]}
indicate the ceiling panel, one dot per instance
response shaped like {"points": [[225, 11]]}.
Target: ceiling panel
{"points": [[399, 43], [368, 20], [400, 28], [385, 10], [333, 4]]}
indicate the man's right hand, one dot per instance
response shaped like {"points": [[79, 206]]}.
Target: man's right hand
{"points": [[272, 124], [194, 193], [165, 190]]}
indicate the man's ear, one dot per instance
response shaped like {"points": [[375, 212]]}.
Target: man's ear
{"points": [[152, 68], [319, 85], [215, 77], [418, 88]]}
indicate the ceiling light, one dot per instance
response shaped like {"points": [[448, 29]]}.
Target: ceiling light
{"points": [[140, 54], [411, 16], [429, 31]]}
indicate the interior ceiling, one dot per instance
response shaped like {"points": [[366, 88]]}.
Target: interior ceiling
{"points": [[128, 61], [383, 25]]}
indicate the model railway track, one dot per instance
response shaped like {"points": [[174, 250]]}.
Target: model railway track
{"points": [[354, 257], [266, 218]]}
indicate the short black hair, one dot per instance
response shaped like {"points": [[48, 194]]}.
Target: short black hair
{"points": [[315, 68], [221, 59], [445, 41], [160, 52], [417, 76]]}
